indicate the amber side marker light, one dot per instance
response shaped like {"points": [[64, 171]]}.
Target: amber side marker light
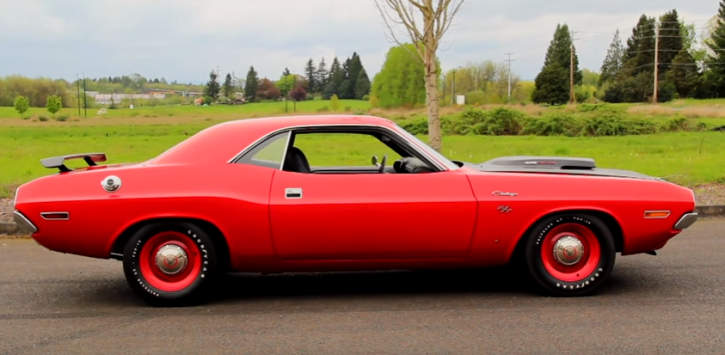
{"points": [[656, 214]]}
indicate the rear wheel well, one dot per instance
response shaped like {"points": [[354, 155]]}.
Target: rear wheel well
{"points": [[220, 242], [606, 218]]}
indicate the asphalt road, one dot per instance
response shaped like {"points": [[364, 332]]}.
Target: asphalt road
{"points": [[673, 303]]}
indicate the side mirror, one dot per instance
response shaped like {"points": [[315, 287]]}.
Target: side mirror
{"points": [[375, 160]]}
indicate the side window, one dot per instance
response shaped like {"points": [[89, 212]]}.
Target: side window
{"points": [[342, 149], [270, 153]]}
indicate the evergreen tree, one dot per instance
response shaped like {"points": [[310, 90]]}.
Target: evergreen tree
{"points": [[251, 85], [557, 67], [322, 76], [362, 85], [311, 75], [345, 88], [337, 76], [286, 72], [639, 55], [354, 69], [228, 87], [212, 86], [559, 52], [552, 85], [684, 74], [716, 71], [670, 42], [613, 61]]}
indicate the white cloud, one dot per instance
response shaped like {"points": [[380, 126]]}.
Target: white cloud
{"points": [[185, 39]]}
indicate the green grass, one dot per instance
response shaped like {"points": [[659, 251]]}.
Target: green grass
{"points": [[689, 158], [227, 111]]}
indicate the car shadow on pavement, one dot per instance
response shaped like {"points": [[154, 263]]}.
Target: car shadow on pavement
{"points": [[495, 281], [403, 288]]}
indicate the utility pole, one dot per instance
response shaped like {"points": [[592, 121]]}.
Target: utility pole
{"points": [[294, 86], [85, 98], [453, 89], [572, 98], [78, 93], [657, 50], [444, 89], [509, 61]]}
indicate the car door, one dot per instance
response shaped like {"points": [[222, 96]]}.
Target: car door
{"points": [[357, 216]]}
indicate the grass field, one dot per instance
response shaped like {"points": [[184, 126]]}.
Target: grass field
{"points": [[687, 158], [215, 111], [126, 135]]}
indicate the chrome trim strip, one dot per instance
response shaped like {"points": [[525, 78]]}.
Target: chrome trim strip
{"points": [[15, 200], [24, 223], [686, 221], [286, 148], [42, 214], [656, 211], [411, 145]]}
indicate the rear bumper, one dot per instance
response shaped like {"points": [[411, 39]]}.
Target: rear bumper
{"points": [[24, 223], [686, 221]]}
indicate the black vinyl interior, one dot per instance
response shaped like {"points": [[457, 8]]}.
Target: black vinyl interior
{"points": [[296, 161]]}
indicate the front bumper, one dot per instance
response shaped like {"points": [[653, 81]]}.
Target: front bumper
{"points": [[686, 221], [24, 223]]}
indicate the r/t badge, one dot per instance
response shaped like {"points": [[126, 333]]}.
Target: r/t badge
{"points": [[504, 209]]}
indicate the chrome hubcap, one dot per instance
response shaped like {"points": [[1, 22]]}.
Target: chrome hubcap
{"points": [[568, 250], [171, 259]]}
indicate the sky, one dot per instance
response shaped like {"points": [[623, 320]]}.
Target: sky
{"points": [[185, 39]]}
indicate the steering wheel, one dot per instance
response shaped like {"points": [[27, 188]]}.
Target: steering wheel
{"points": [[382, 164]]}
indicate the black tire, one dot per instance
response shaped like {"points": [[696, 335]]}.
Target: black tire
{"points": [[582, 278], [143, 275]]}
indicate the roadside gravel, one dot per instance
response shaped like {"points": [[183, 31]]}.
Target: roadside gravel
{"points": [[713, 194]]}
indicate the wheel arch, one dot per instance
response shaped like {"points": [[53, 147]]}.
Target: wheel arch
{"points": [[216, 235], [608, 219]]}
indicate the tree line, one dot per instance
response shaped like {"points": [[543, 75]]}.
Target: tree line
{"points": [[683, 69], [346, 79]]}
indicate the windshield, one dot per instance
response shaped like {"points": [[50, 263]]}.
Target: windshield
{"points": [[430, 151]]}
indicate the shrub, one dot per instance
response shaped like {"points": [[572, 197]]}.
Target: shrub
{"points": [[366, 98], [21, 105], [559, 124], [676, 124], [42, 118], [62, 118], [54, 104], [334, 103]]}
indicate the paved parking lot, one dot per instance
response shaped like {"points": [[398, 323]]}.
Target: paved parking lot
{"points": [[673, 303]]}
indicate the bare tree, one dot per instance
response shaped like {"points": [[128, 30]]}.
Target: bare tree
{"points": [[436, 21]]}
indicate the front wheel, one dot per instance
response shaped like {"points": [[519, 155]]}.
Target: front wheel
{"points": [[170, 264], [570, 254]]}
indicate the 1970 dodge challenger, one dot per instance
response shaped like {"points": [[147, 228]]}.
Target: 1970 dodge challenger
{"points": [[241, 196]]}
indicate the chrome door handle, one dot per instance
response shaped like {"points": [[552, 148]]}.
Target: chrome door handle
{"points": [[293, 192]]}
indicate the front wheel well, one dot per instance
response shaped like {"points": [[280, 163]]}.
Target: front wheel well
{"points": [[220, 242], [608, 220]]}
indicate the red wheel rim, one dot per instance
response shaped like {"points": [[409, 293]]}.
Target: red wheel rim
{"points": [[581, 265], [161, 279]]}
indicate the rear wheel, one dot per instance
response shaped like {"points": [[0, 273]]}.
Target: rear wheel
{"points": [[170, 264], [570, 254]]}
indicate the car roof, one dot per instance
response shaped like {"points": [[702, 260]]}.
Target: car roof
{"points": [[223, 141]]}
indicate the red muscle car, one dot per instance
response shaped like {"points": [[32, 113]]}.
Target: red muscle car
{"points": [[241, 196]]}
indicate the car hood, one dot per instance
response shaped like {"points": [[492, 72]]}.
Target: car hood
{"points": [[552, 165]]}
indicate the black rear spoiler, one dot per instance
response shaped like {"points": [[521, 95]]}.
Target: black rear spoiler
{"points": [[59, 161]]}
